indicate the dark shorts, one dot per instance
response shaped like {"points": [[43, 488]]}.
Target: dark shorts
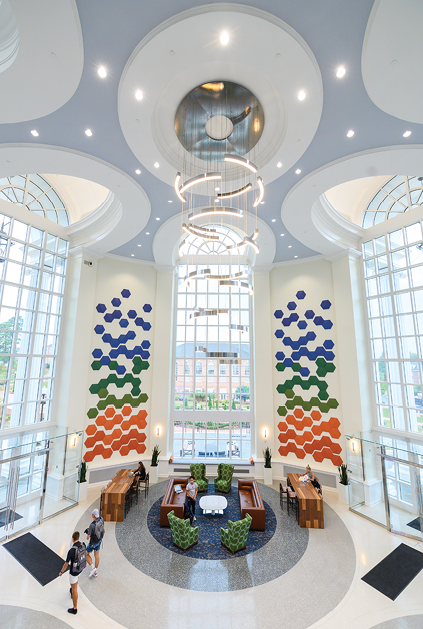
{"points": [[92, 547]]}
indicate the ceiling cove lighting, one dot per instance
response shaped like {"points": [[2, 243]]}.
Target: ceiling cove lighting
{"points": [[225, 211], [224, 39], [139, 95], [235, 193], [192, 182], [301, 95], [261, 193], [206, 234], [88, 132], [34, 133], [350, 133], [404, 135], [240, 161], [340, 72], [102, 72]]}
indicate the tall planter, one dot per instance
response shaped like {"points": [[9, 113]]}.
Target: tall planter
{"points": [[268, 475], [343, 493], [154, 474]]}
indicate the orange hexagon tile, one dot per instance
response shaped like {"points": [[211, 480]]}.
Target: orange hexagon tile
{"points": [[283, 426], [90, 430], [110, 411], [299, 413], [108, 439], [316, 415], [127, 410]]}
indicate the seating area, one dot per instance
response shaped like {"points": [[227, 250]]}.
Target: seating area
{"points": [[183, 534], [198, 470], [251, 503], [224, 477], [172, 501]]}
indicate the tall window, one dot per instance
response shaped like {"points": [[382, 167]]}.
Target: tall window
{"points": [[35, 194], [212, 396], [396, 196], [32, 279], [393, 266]]}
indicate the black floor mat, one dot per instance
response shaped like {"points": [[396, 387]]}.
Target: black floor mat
{"points": [[36, 557], [415, 524], [3, 517], [392, 575]]}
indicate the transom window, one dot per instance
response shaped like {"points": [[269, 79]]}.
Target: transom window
{"points": [[35, 194], [398, 195]]}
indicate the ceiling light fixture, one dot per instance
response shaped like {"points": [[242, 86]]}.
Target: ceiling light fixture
{"points": [[340, 72], [217, 189], [301, 95], [156, 164], [132, 255], [34, 133], [404, 135], [350, 133], [273, 220], [297, 172], [176, 185], [279, 164], [138, 172], [240, 161], [235, 193], [88, 132], [289, 246], [261, 192], [139, 95], [170, 201], [226, 211], [282, 234], [192, 182], [224, 38], [139, 245], [147, 233], [206, 234], [295, 256], [157, 218], [237, 284], [102, 72]]}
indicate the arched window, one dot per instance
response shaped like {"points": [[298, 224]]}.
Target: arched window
{"points": [[35, 194], [398, 195]]}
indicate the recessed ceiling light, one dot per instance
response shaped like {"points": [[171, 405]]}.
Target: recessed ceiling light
{"points": [[279, 164], [224, 38], [301, 95], [138, 172], [340, 72], [273, 220], [88, 132], [282, 234], [217, 189], [147, 233], [102, 72], [289, 246], [404, 135], [262, 202], [157, 218], [139, 95], [34, 133], [170, 201], [139, 245], [295, 256], [350, 133], [156, 164], [132, 255], [297, 172]]}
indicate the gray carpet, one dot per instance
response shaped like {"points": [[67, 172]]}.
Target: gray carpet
{"points": [[23, 618]]}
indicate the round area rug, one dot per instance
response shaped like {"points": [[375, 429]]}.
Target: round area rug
{"points": [[209, 546]]}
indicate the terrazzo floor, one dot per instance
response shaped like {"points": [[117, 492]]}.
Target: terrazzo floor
{"points": [[323, 590]]}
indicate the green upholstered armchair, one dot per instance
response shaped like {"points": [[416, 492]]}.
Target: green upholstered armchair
{"points": [[224, 477], [235, 536], [198, 470], [183, 534]]}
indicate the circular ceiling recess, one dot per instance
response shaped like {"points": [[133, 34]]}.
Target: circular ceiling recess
{"points": [[219, 117]]}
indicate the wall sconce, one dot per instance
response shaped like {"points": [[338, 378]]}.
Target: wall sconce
{"points": [[73, 441], [158, 431], [265, 432], [354, 445]]}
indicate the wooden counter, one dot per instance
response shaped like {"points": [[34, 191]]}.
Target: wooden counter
{"points": [[310, 503], [113, 498]]}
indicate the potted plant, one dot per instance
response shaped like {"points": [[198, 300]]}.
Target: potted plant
{"points": [[154, 466], [268, 476], [83, 485], [343, 484]]}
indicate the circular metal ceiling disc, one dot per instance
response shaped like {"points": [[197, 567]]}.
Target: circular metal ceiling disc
{"points": [[204, 118]]}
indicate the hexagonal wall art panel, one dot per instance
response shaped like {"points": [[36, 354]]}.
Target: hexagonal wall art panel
{"points": [[118, 421], [307, 425]]}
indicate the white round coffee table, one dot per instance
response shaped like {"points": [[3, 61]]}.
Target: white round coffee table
{"points": [[213, 504]]}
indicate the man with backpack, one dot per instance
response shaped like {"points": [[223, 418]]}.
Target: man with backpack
{"points": [[76, 560], [95, 533]]}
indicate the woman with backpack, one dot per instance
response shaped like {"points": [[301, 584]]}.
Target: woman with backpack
{"points": [[95, 533], [76, 560]]}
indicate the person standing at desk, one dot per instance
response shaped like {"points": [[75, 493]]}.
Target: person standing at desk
{"points": [[192, 489]]}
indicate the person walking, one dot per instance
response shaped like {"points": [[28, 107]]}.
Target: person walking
{"points": [[76, 560], [192, 489], [95, 533]]}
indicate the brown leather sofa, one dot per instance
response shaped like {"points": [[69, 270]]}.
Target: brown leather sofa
{"points": [[250, 501], [173, 502]]}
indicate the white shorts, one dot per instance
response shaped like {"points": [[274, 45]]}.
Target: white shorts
{"points": [[72, 579]]}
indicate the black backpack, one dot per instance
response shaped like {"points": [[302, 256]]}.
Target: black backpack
{"points": [[98, 529], [80, 558]]}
